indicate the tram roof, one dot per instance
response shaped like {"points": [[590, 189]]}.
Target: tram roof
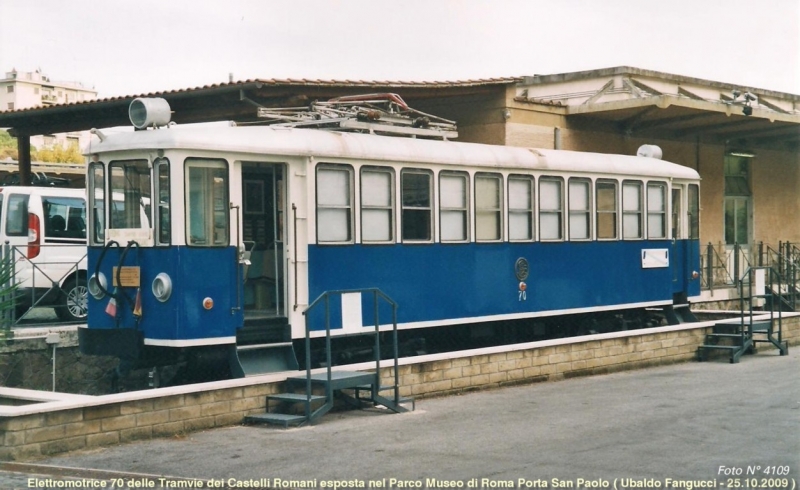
{"points": [[255, 141]]}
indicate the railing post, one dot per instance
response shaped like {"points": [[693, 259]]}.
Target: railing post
{"points": [[709, 266], [376, 386], [329, 389]]}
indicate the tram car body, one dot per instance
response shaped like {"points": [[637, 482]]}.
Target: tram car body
{"points": [[199, 234]]}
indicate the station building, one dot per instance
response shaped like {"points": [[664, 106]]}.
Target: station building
{"points": [[744, 141], [22, 90]]}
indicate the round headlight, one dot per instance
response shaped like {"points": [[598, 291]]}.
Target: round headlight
{"points": [[94, 284], [162, 287]]}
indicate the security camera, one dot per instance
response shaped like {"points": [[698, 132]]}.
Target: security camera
{"points": [[736, 93], [747, 110], [748, 96]]}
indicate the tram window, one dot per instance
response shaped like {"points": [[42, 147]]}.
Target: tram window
{"points": [[207, 203], [417, 212], [334, 204], [551, 209], [453, 207], [97, 203], [607, 209], [631, 210], [163, 203], [677, 211], [520, 208], [579, 209], [488, 210], [694, 211], [377, 205], [656, 210], [130, 191]]}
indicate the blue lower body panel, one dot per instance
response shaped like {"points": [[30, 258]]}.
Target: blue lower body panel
{"points": [[442, 283], [196, 274]]}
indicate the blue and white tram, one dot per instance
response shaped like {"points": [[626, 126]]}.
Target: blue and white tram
{"points": [[200, 234]]}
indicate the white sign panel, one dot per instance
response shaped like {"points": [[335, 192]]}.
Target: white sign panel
{"points": [[351, 312], [654, 258]]}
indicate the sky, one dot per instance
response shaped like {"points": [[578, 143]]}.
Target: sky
{"points": [[125, 47]]}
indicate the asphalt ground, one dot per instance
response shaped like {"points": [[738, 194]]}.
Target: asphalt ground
{"points": [[690, 426]]}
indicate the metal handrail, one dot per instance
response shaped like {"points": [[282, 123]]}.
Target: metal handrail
{"points": [[325, 296]]}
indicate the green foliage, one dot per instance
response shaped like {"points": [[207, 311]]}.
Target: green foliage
{"points": [[8, 146], [58, 154], [50, 154]]}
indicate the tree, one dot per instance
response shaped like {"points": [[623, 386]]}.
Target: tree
{"points": [[50, 154], [8, 146]]}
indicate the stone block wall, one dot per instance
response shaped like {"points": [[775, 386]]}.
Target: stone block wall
{"points": [[115, 419]]}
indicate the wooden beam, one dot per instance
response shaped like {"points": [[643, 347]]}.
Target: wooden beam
{"points": [[24, 158]]}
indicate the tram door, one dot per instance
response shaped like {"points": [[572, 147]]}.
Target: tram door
{"points": [[677, 234], [263, 191]]}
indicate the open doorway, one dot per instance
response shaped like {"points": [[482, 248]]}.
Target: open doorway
{"points": [[263, 191]]}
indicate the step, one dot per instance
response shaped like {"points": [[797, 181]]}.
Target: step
{"points": [[721, 347], [275, 419], [369, 387], [259, 359], [340, 380], [726, 335], [295, 397]]}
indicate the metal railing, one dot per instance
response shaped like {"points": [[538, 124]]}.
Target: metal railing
{"points": [[722, 267], [324, 298], [40, 287]]}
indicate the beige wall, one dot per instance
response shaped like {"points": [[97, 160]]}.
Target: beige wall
{"points": [[775, 175]]}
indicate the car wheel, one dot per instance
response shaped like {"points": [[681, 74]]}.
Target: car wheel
{"points": [[75, 301]]}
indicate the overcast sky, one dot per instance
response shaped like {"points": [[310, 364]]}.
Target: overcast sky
{"points": [[127, 47]]}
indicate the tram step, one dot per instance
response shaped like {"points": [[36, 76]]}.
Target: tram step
{"points": [[258, 359], [275, 419]]}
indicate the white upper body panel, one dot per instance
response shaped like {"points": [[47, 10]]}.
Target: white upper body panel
{"points": [[267, 140]]}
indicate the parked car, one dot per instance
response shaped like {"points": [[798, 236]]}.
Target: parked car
{"points": [[46, 230]]}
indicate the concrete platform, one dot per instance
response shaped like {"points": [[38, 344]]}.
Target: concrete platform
{"points": [[687, 422]]}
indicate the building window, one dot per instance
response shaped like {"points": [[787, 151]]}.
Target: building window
{"points": [[579, 209], [607, 209], [377, 205], [656, 210], [488, 210], [10, 89], [737, 200], [551, 209], [334, 208], [520, 208], [453, 207], [631, 210], [417, 211], [10, 106]]}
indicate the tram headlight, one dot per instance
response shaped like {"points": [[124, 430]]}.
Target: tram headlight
{"points": [[95, 283], [162, 287]]}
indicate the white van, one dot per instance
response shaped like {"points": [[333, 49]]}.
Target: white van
{"points": [[45, 228]]}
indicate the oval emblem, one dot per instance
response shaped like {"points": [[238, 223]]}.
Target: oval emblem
{"points": [[521, 268]]}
